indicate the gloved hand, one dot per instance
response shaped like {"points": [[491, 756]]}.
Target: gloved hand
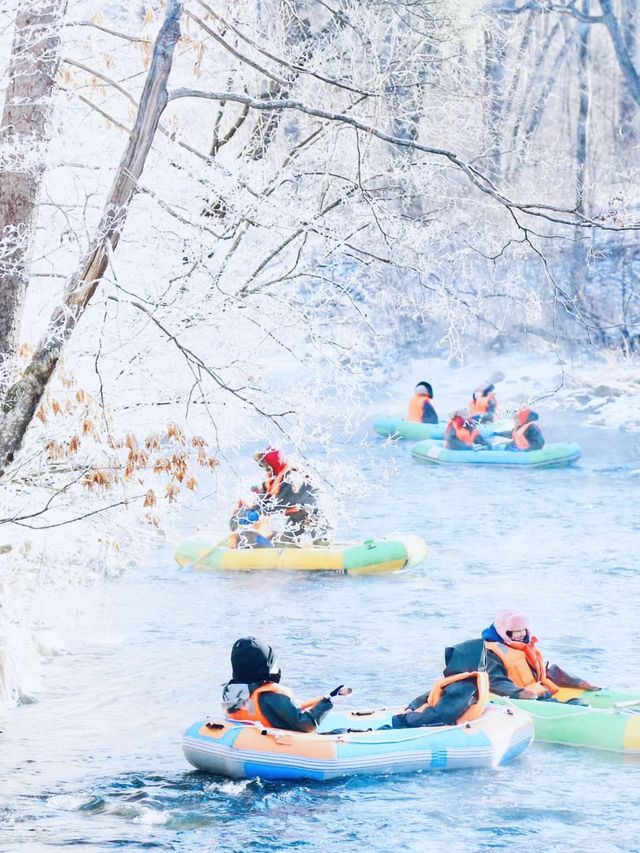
{"points": [[339, 694], [546, 695], [525, 693]]}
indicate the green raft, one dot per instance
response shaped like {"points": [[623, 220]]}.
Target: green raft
{"points": [[212, 554], [611, 721]]}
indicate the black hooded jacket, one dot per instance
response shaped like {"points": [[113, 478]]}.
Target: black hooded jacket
{"points": [[456, 697], [253, 663]]}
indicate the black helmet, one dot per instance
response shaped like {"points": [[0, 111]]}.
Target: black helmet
{"points": [[251, 661], [427, 389]]}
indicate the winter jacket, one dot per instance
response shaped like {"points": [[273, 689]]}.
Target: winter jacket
{"points": [[278, 709]]}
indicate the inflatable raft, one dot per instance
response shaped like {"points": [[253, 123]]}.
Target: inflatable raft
{"points": [[248, 750], [551, 456], [212, 554], [399, 428], [611, 721]]}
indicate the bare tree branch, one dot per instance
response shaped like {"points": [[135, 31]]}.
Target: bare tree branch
{"points": [[551, 213]]}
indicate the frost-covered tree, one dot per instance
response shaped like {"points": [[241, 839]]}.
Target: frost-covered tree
{"points": [[308, 188], [24, 141]]}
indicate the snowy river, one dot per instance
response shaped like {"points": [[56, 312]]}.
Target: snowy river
{"points": [[96, 763]]}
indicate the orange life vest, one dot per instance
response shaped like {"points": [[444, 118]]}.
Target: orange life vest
{"points": [[468, 436], [524, 665], [473, 711], [519, 438], [482, 405], [250, 711], [416, 407]]}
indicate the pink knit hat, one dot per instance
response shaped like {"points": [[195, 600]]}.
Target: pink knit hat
{"points": [[510, 620]]}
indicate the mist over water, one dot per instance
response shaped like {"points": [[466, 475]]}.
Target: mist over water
{"points": [[97, 764]]}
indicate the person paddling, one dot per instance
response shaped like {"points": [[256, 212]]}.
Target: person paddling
{"points": [[286, 492]]}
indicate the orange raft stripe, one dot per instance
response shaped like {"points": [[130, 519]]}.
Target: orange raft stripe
{"points": [[215, 732], [286, 743]]}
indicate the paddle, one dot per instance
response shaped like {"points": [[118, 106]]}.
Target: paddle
{"points": [[189, 567], [628, 705]]}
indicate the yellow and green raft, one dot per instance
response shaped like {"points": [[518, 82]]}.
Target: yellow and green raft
{"points": [[211, 554], [611, 721]]}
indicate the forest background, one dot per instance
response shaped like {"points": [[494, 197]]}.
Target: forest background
{"points": [[234, 221]]}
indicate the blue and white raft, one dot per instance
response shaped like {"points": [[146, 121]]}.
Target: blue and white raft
{"points": [[551, 456], [352, 743], [400, 428]]}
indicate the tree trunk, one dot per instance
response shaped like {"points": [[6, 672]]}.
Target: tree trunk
{"points": [[495, 58], [25, 131], [303, 43], [583, 114], [21, 400], [628, 107], [580, 248], [625, 61]]}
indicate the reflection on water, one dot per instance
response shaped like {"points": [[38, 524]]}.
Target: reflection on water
{"points": [[98, 763]]}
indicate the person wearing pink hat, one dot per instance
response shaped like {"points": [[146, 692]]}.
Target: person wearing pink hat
{"points": [[515, 664]]}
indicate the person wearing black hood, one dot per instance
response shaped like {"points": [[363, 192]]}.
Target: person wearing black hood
{"points": [[255, 694], [420, 409], [459, 697]]}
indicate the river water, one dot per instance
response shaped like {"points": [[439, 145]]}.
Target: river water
{"points": [[97, 763]]}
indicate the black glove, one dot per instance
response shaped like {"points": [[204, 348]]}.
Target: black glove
{"points": [[339, 694]]}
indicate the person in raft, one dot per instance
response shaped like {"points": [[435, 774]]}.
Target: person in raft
{"points": [[420, 409], [286, 491], [254, 693], [483, 405], [462, 433], [516, 666], [526, 434], [459, 697]]}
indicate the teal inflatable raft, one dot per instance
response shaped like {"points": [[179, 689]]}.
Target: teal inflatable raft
{"points": [[551, 456], [350, 744], [399, 428]]}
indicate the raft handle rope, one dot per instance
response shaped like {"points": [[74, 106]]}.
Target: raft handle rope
{"points": [[583, 710], [284, 737]]}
